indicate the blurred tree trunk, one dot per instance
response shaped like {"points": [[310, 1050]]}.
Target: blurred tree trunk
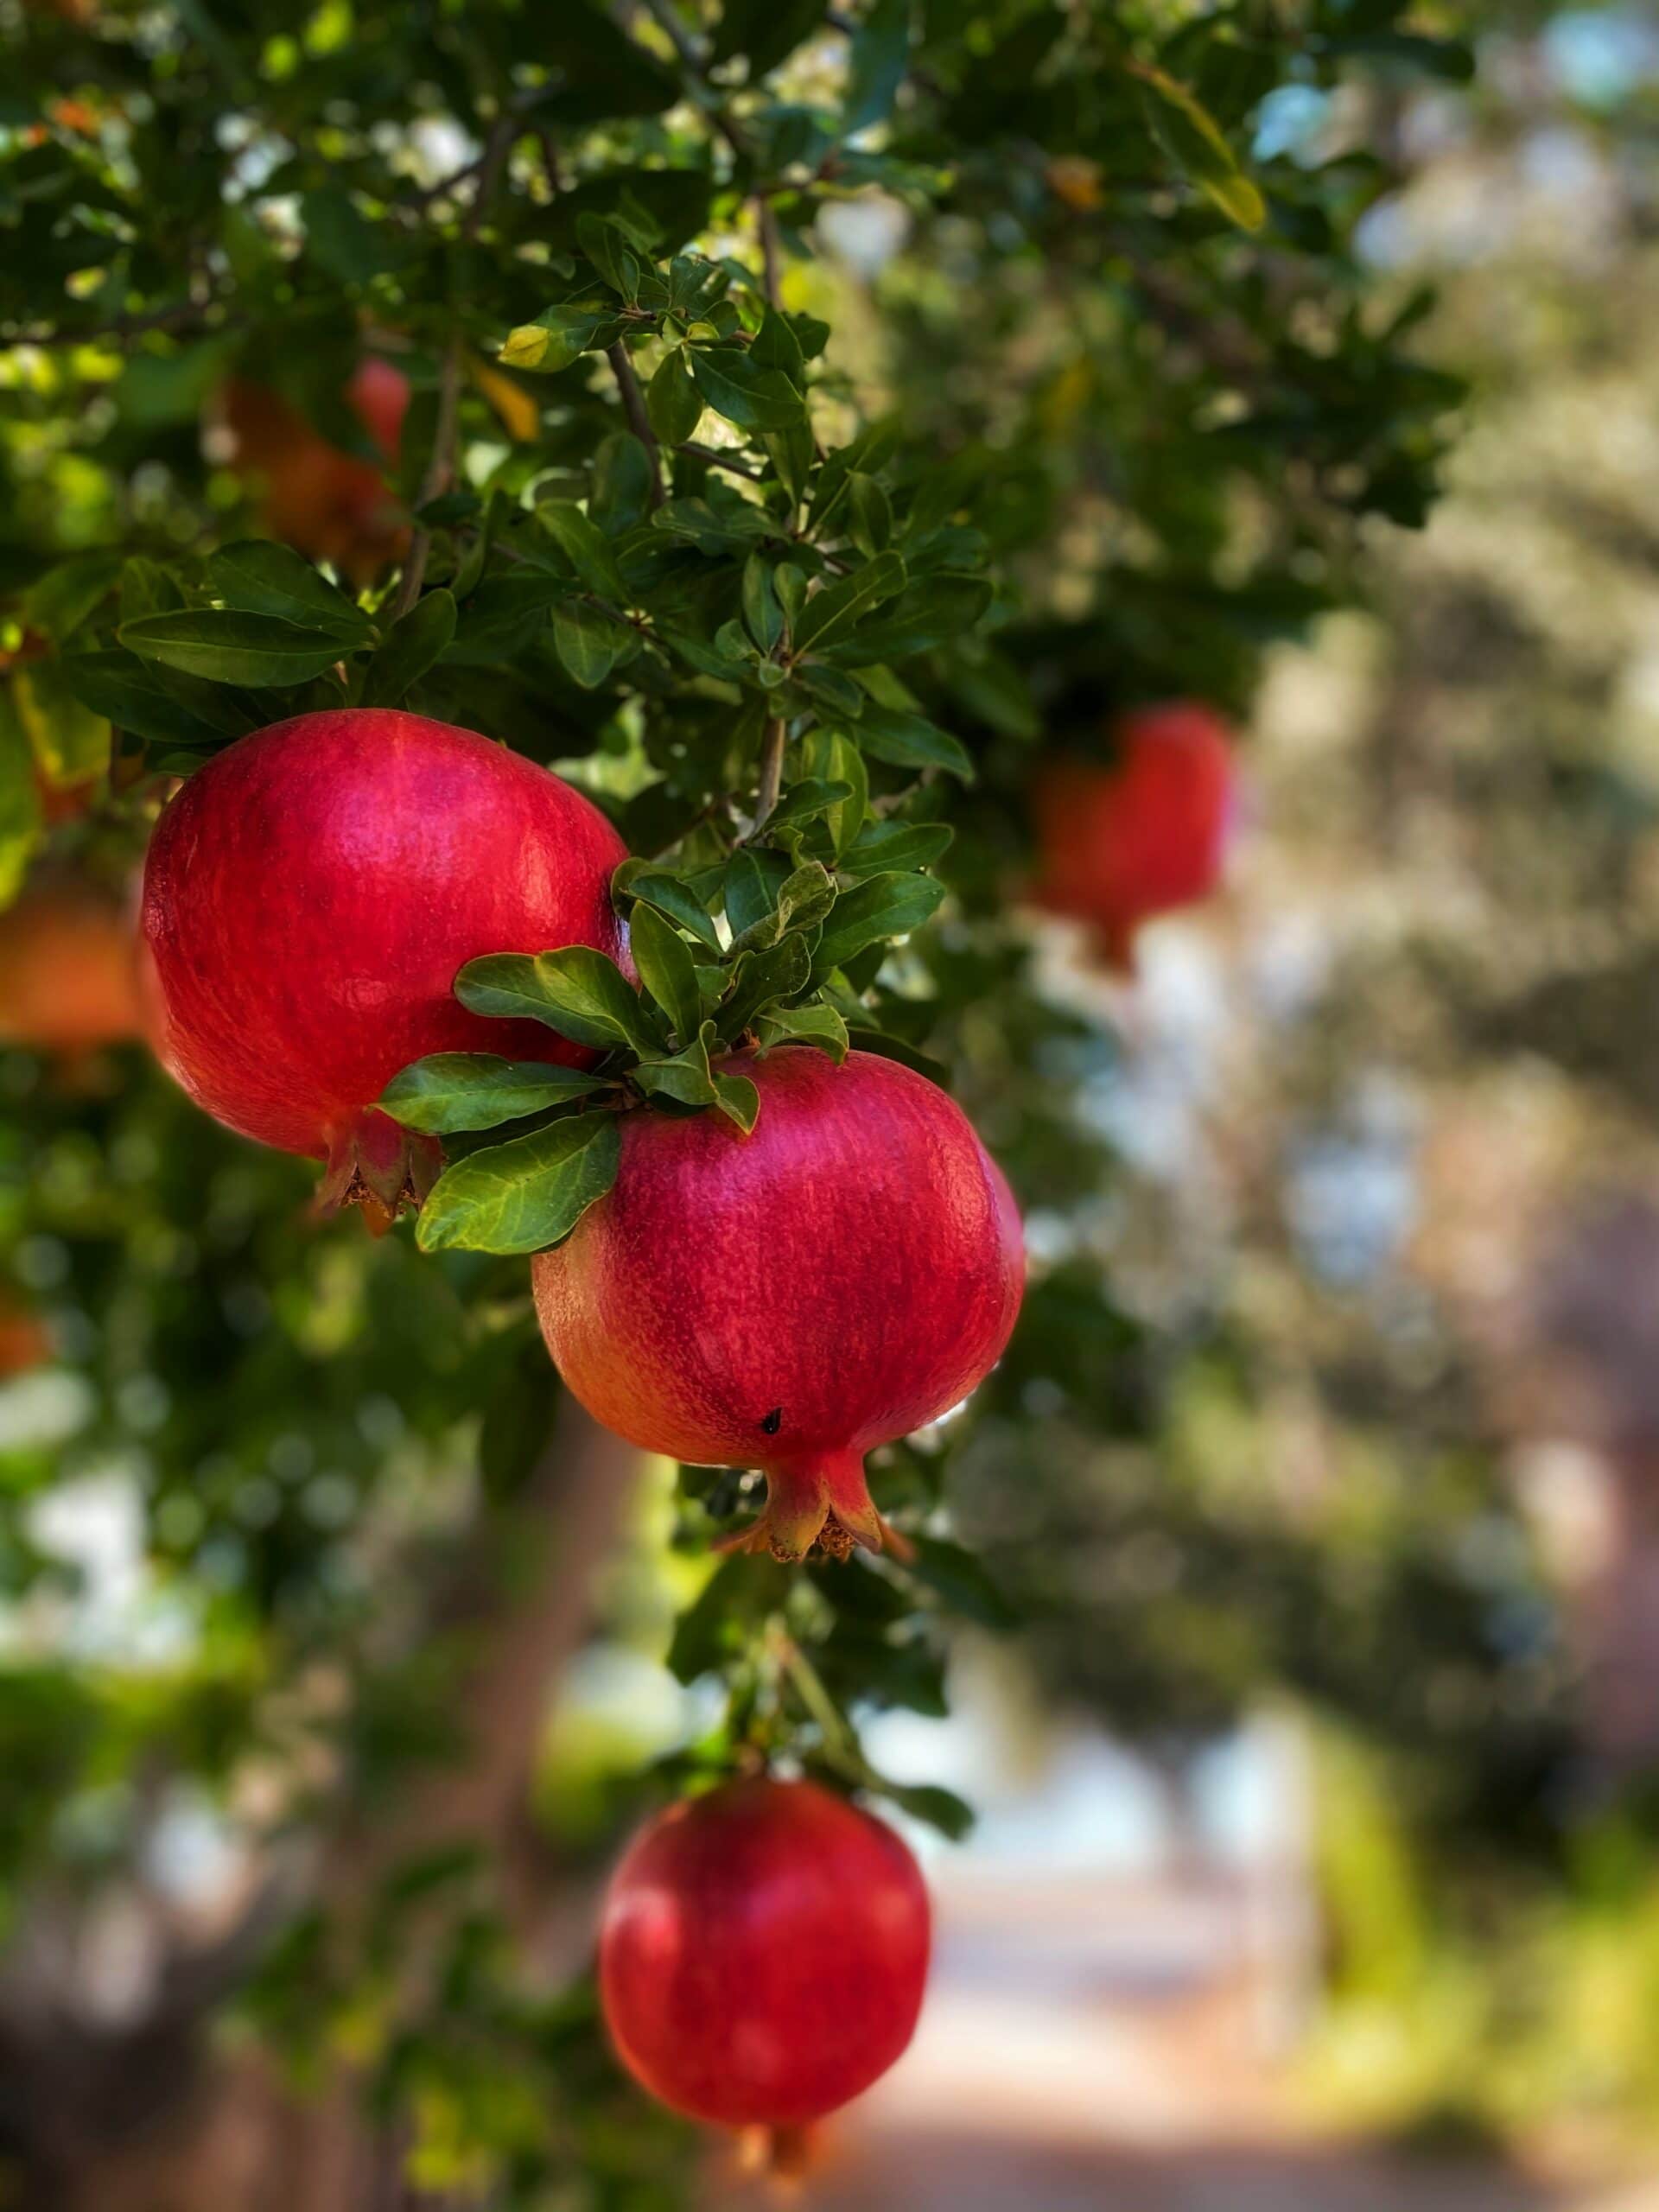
{"points": [[150, 2118]]}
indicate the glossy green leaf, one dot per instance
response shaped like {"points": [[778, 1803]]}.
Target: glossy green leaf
{"points": [[907, 740], [586, 547], [588, 641], [262, 577], [752, 397], [575, 990], [673, 401], [816, 1025], [477, 1090], [413, 645], [526, 1195], [663, 960], [228, 646], [884, 906], [833, 610], [638, 879]]}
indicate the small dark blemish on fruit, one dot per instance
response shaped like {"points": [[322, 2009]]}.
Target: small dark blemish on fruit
{"points": [[773, 1421]]}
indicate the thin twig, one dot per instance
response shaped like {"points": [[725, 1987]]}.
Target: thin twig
{"points": [[440, 475], [503, 131], [634, 406], [716, 459], [772, 769], [770, 252]]}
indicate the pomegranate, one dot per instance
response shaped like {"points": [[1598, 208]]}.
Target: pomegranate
{"points": [[1120, 843], [763, 1953], [327, 503], [791, 1299], [24, 1343], [310, 894], [68, 977]]}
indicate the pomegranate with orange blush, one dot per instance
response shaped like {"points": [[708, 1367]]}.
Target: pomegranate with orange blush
{"points": [[1146, 834], [309, 896], [68, 966], [763, 1953], [788, 1300], [329, 503]]}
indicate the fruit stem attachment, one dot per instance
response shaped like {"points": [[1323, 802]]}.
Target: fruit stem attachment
{"points": [[824, 1502]]}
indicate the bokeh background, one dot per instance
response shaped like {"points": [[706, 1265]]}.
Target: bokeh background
{"points": [[1316, 1859]]}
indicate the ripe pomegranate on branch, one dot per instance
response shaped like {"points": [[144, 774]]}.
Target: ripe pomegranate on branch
{"points": [[1143, 834], [763, 1953]]}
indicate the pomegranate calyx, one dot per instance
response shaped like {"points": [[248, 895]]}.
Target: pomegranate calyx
{"points": [[378, 1166], [823, 1503]]}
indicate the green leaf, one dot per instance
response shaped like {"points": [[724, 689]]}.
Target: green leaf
{"points": [[870, 516], [525, 1195], [761, 612], [929, 613], [606, 247], [478, 1091], [880, 57], [622, 481], [575, 990], [70, 741], [123, 690], [228, 646], [587, 642], [939, 1807], [884, 906], [760, 980], [754, 398], [721, 1621], [343, 242], [684, 1076], [957, 1575], [20, 802], [766, 31], [812, 796], [906, 741], [672, 401], [837, 757], [738, 1100], [832, 688], [804, 1024], [752, 887], [414, 643], [262, 577], [888, 848], [663, 960], [776, 346], [639, 879], [1193, 139], [559, 335], [61, 601], [586, 547], [802, 899], [839, 606]]}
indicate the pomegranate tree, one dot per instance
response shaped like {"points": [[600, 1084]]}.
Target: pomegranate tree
{"points": [[763, 1953], [841, 1276], [308, 897], [1146, 834]]}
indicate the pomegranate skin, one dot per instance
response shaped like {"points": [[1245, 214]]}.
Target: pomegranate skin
{"points": [[309, 896], [763, 1953], [843, 1274], [1143, 837]]}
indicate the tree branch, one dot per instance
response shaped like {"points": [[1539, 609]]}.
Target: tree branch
{"points": [[772, 745], [633, 405], [440, 475]]}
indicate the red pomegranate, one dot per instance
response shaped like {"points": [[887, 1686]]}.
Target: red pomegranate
{"points": [[791, 1299], [1120, 843], [69, 974], [310, 894], [329, 503], [763, 1953], [24, 1343]]}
